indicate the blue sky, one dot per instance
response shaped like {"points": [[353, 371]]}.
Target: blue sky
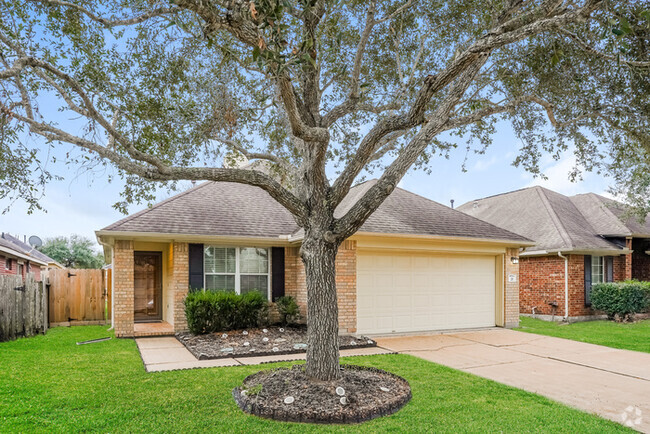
{"points": [[82, 202]]}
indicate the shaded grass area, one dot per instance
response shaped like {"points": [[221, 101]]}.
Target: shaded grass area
{"points": [[632, 336], [51, 384]]}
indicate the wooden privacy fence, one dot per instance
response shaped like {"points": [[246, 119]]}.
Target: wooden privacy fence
{"points": [[23, 307], [79, 297]]}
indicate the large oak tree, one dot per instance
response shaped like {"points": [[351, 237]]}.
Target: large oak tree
{"points": [[164, 90]]}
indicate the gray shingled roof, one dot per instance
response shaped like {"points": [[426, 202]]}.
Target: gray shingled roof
{"points": [[554, 221], [15, 244], [230, 209], [213, 208], [609, 217], [404, 212]]}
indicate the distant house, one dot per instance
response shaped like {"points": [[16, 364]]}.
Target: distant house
{"points": [[19, 258], [579, 241]]}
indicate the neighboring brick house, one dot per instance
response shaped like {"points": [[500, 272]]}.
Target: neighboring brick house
{"points": [[415, 265], [587, 235], [19, 258]]}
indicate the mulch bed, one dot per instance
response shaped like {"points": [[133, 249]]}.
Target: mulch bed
{"points": [[258, 342], [288, 395]]}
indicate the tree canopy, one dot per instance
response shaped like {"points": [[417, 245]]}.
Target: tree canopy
{"points": [[164, 90], [73, 252]]}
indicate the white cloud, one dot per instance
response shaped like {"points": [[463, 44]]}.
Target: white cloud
{"points": [[484, 164], [557, 173]]}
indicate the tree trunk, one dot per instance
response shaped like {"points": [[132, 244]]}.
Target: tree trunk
{"points": [[319, 258]]}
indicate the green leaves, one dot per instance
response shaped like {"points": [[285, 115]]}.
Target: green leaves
{"points": [[73, 252]]}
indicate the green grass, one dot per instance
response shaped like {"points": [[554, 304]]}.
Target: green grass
{"points": [[49, 384], [633, 336]]}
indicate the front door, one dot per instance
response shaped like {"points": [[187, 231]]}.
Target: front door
{"points": [[147, 284]]}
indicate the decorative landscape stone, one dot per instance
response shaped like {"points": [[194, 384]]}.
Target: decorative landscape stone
{"points": [[319, 402], [258, 343]]}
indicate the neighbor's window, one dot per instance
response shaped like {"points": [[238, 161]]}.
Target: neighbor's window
{"points": [[238, 269], [8, 264], [597, 269]]}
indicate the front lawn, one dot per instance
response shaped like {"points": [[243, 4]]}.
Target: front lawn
{"points": [[633, 336], [49, 384]]}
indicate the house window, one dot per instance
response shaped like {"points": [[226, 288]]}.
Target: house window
{"points": [[20, 269], [8, 264], [237, 269], [597, 269]]}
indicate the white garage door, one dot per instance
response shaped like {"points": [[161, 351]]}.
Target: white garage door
{"points": [[410, 292]]}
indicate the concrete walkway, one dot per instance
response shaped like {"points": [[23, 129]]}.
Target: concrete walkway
{"points": [[612, 383], [168, 354]]}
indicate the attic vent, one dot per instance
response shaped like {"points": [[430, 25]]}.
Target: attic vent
{"points": [[475, 205]]}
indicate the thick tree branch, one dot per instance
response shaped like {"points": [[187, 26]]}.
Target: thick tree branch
{"points": [[298, 127], [257, 155], [516, 29], [353, 97], [360, 211], [169, 172]]}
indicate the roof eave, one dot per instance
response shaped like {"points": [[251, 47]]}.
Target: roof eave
{"points": [[501, 241], [577, 251], [107, 238], [20, 255]]}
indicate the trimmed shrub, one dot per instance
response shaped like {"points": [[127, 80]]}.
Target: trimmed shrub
{"points": [[621, 300], [215, 311], [252, 310], [288, 309]]}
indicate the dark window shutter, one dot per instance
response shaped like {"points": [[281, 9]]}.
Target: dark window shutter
{"points": [[609, 264], [587, 280], [196, 266], [277, 272]]}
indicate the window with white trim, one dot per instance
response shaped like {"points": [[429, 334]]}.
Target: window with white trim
{"points": [[597, 269], [236, 269]]}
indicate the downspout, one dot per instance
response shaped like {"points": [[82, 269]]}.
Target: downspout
{"points": [[566, 285], [112, 289]]}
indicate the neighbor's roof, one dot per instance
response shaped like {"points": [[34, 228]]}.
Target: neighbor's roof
{"points": [[556, 222], [13, 244], [609, 217], [231, 209]]}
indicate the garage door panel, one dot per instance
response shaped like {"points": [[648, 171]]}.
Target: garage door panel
{"points": [[419, 292]]}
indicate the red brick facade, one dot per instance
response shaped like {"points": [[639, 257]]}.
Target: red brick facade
{"points": [[10, 266], [542, 283]]}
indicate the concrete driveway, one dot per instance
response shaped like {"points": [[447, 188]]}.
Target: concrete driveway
{"points": [[612, 383]]}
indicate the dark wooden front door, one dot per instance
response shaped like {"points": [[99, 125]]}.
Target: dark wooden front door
{"points": [[147, 283]]}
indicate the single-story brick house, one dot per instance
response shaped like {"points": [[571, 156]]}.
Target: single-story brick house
{"points": [[580, 240], [19, 258], [415, 265]]}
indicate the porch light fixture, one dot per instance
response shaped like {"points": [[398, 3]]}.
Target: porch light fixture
{"points": [[514, 260]]}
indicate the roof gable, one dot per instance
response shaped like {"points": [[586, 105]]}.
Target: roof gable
{"points": [[551, 219], [609, 217]]}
